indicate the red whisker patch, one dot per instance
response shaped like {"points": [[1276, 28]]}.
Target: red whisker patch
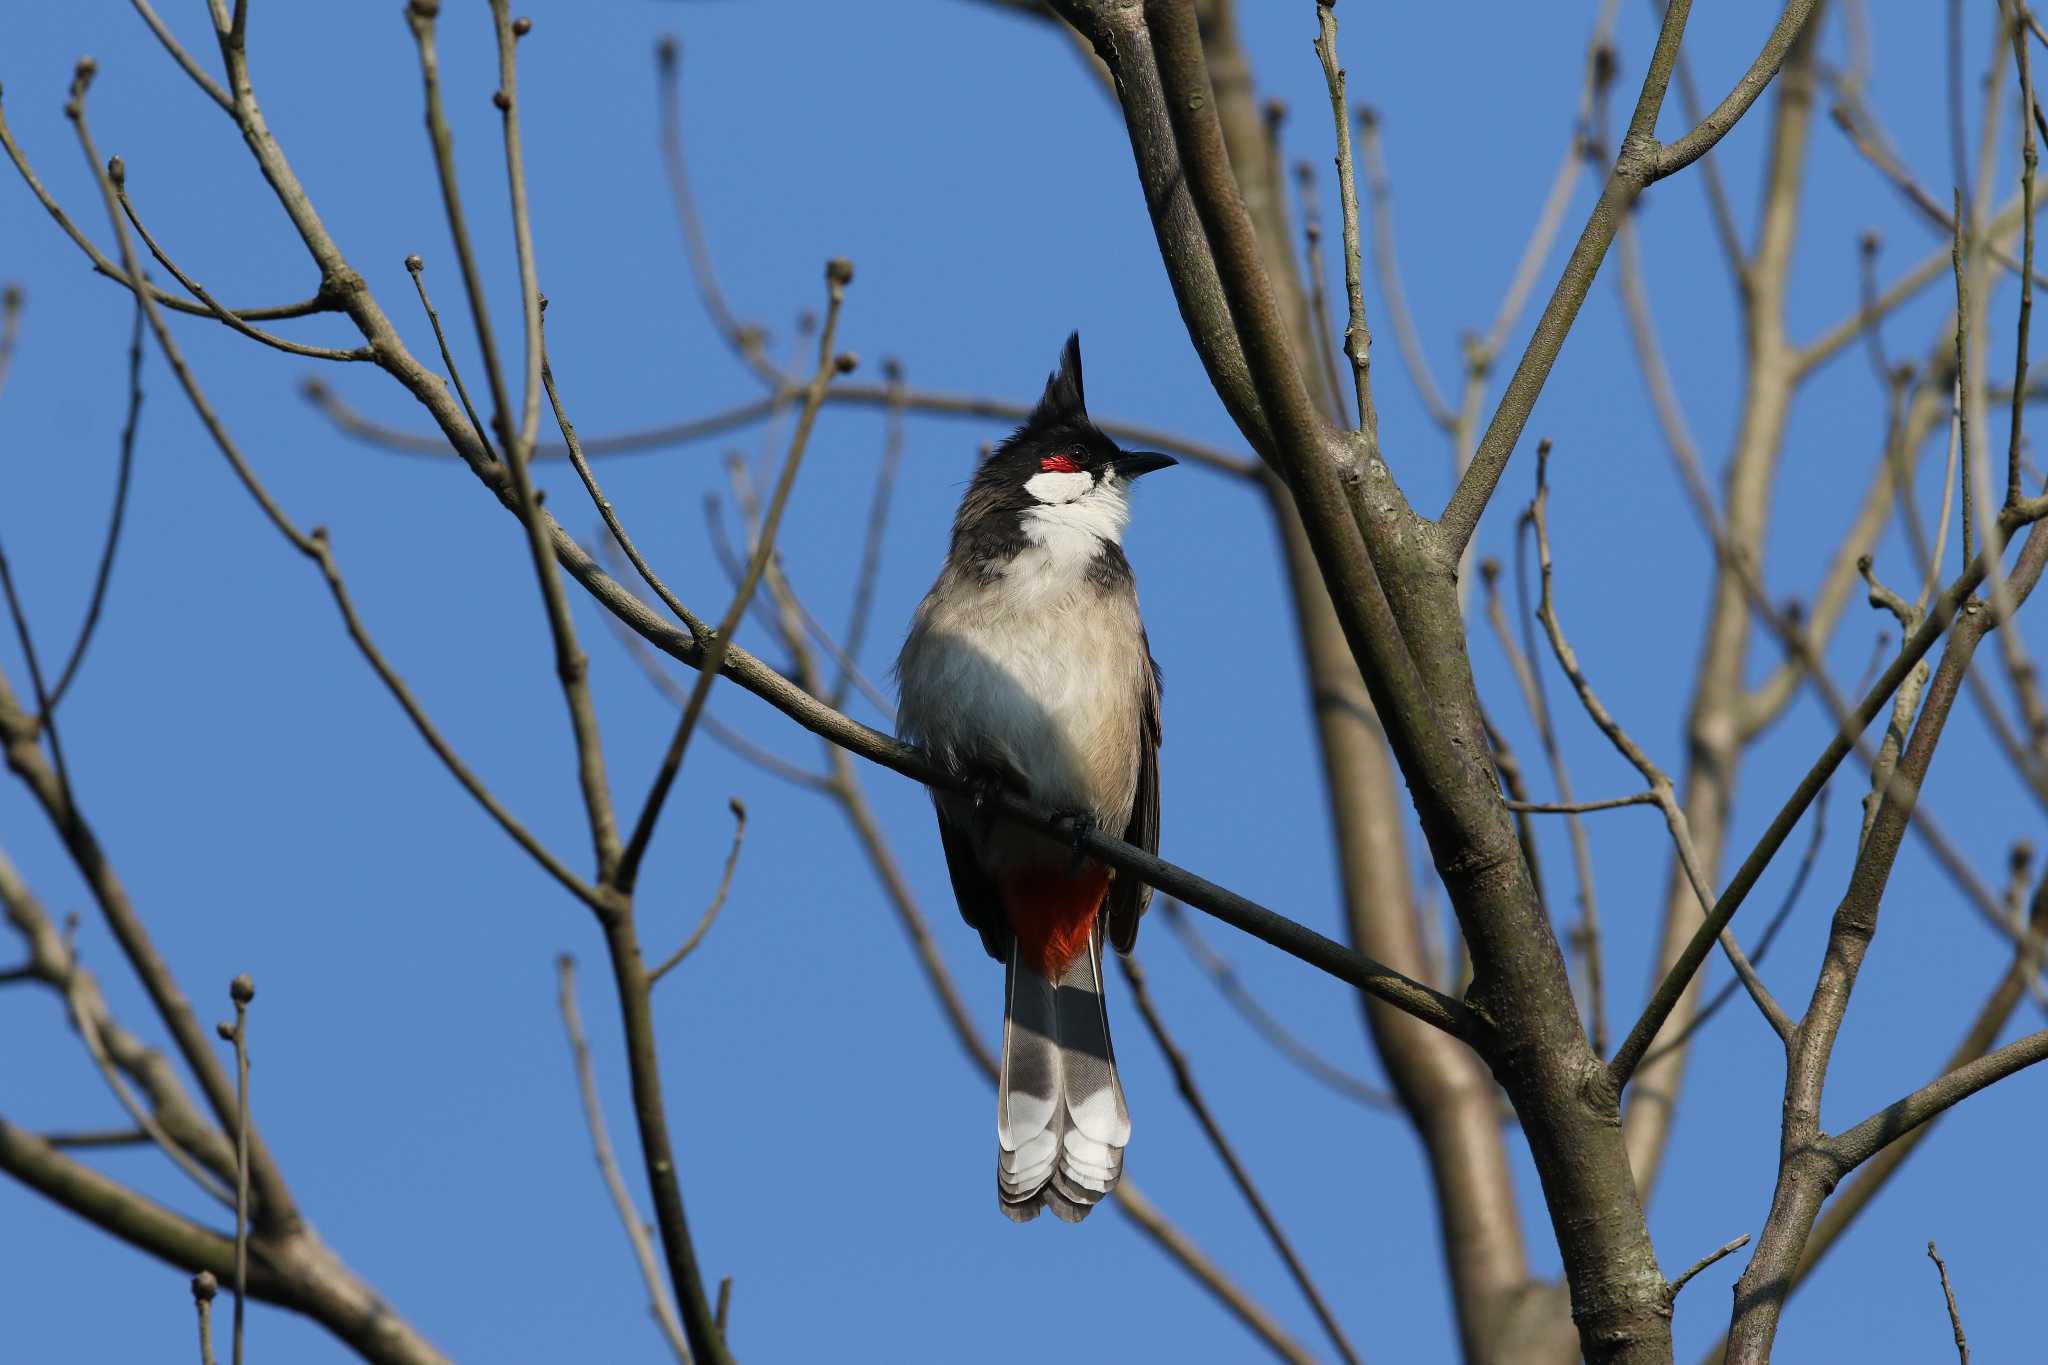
{"points": [[1059, 464]]}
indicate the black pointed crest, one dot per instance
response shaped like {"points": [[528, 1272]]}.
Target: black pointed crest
{"points": [[1063, 398]]}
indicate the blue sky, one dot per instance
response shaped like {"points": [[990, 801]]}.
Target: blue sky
{"points": [[272, 812]]}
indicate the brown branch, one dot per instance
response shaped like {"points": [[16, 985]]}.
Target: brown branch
{"points": [[422, 16], [732, 861], [1858, 1144], [1914, 648], [1810, 1164], [241, 991], [1872, 1178], [1530, 684], [1955, 1319], [321, 302], [1642, 161], [1386, 264], [416, 268], [659, 1302], [1140, 1209], [1932, 266], [838, 274], [276, 1212], [204, 1287], [1863, 134], [1763, 941], [316, 546], [53, 961], [105, 572], [1660, 784], [864, 582], [1357, 336], [1725, 1249], [1262, 1021], [1326, 346], [233, 322], [746, 339], [192, 1144], [206, 83], [519, 441], [1184, 1081]]}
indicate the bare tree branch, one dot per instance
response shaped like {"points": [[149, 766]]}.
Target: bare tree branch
{"points": [[659, 1302], [1184, 1081], [732, 861], [1642, 161], [1955, 1319]]}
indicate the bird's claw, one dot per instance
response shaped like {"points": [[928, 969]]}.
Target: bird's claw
{"points": [[982, 790], [1080, 824]]}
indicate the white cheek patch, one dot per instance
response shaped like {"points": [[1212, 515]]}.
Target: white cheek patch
{"points": [[1054, 487]]}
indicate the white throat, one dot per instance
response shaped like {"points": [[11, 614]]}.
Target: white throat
{"points": [[1075, 514]]}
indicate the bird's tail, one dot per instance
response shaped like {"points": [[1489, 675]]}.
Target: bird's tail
{"points": [[1060, 1116]]}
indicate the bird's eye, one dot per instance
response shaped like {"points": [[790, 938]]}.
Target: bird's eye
{"points": [[1059, 464]]}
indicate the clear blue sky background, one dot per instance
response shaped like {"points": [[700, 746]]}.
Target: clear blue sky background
{"points": [[273, 813]]}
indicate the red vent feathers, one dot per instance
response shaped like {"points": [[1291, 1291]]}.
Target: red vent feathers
{"points": [[1059, 464]]}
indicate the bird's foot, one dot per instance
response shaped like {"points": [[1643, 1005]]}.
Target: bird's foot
{"points": [[1080, 824], [983, 787]]}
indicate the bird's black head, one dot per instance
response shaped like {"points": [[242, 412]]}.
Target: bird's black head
{"points": [[1057, 460]]}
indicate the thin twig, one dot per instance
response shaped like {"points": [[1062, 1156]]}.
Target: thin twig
{"points": [[321, 302], [1642, 161], [1184, 1080], [520, 441], [516, 437], [422, 19], [1380, 193], [1955, 1319], [199, 74], [416, 268], [662, 1305], [1674, 815], [2029, 158], [1763, 941], [81, 1001], [46, 721], [871, 546], [1240, 997], [104, 574], [1959, 254], [1856, 122], [732, 860], [1582, 807], [1725, 1249], [315, 546], [242, 990], [838, 274], [1529, 680], [204, 1287], [745, 338], [234, 323], [1357, 337], [110, 1137], [1318, 283], [10, 328]]}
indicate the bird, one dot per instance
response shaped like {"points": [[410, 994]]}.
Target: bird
{"points": [[1027, 669]]}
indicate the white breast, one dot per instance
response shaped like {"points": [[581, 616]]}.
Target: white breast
{"points": [[1040, 671]]}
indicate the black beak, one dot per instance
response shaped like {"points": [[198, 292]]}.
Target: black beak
{"points": [[1132, 463]]}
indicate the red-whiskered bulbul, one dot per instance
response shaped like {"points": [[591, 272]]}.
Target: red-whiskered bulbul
{"points": [[1027, 668]]}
